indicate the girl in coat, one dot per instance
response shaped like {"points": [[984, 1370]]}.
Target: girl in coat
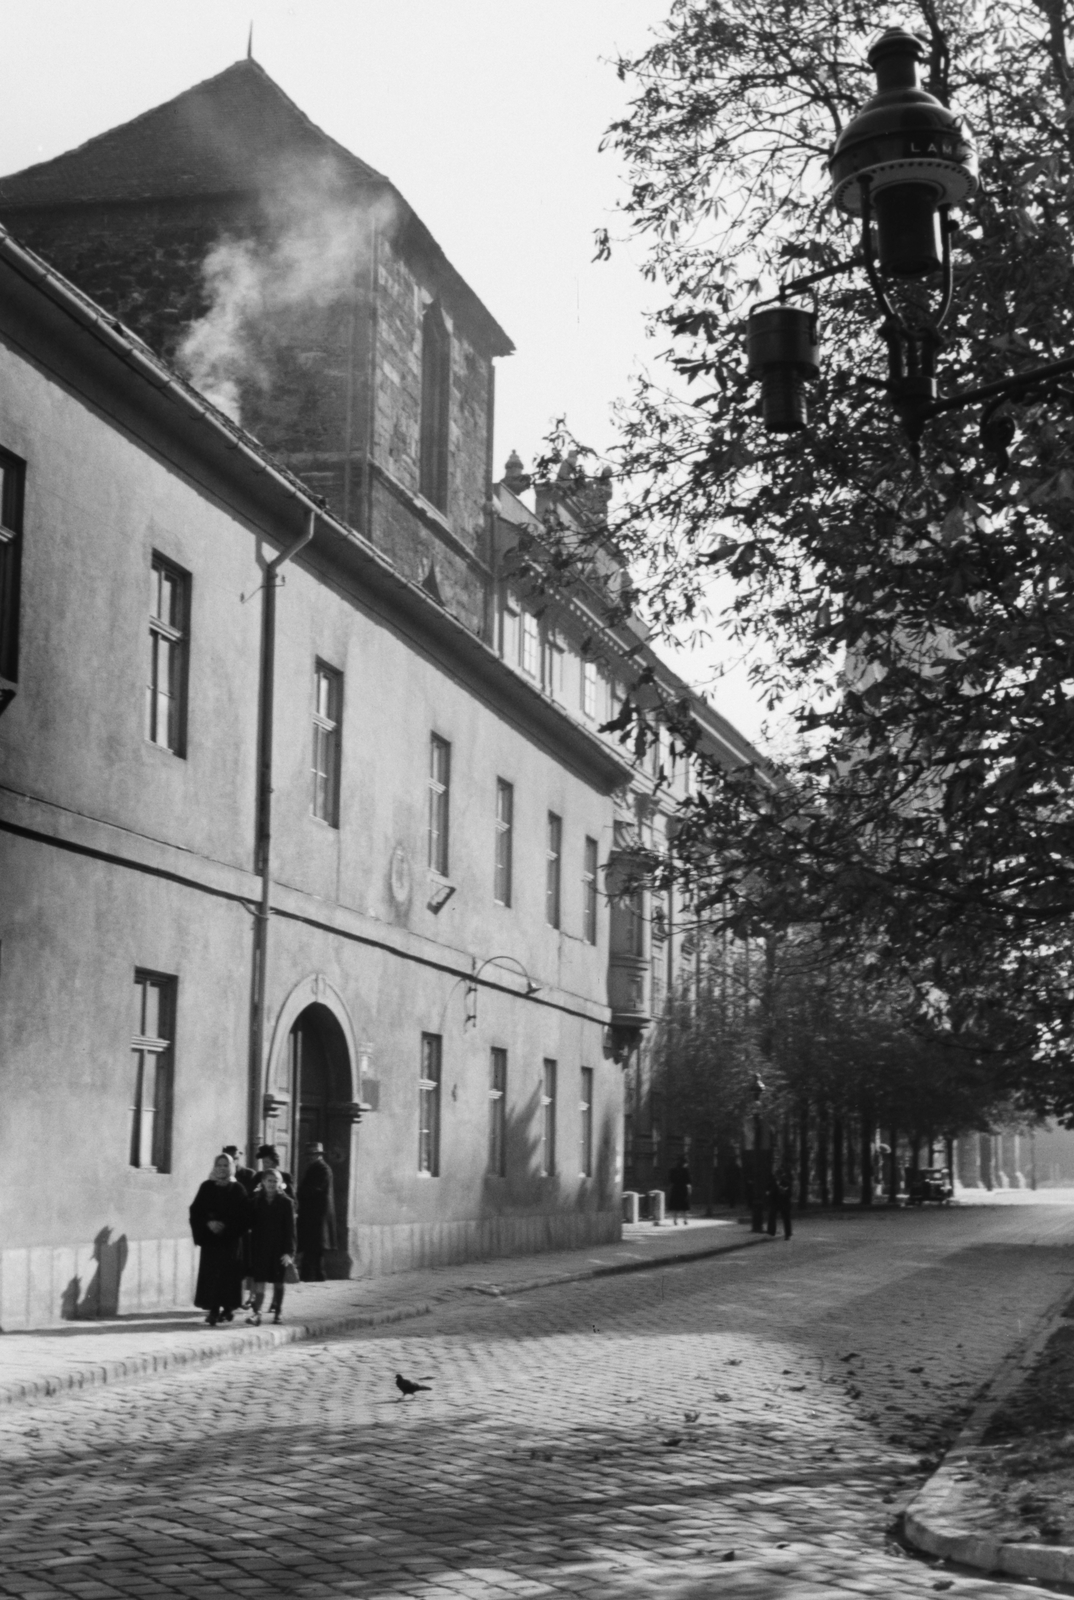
{"points": [[219, 1218], [272, 1242]]}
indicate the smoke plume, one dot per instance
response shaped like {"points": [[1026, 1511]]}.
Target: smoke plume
{"points": [[308, 253]]}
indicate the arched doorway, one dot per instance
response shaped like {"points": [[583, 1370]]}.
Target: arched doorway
{"points": [[319, 1093]]}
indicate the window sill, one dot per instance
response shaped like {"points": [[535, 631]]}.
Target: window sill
{"points": [[164, 750]]}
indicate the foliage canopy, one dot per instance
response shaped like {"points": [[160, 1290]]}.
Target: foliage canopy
{"points": [[915, 618]]}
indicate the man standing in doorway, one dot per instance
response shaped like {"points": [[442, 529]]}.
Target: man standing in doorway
{"points": [[316, 1216]]}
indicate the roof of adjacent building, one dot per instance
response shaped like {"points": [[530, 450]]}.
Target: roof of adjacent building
{"points": [[237, 133]]}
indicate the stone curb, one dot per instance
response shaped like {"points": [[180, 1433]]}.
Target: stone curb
{"points": [[247, 1342], [936, 1516]]}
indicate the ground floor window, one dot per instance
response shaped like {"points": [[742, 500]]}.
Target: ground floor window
{"points": [[498, 1113], [429, 1105], [548, 1119], [585, 1110], [153, 1048]]}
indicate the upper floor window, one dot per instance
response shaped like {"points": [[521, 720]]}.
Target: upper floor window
{"points": [[510, 630], [505, 812], [12, 480], [552, 659], [585, 1121], [429, 1105], [435, 406], [153, 1047], [552, 869], [327, 716], [169, 640], [530, 658], [439, 803], [589, 688], [589, 892], [498, 1113]]}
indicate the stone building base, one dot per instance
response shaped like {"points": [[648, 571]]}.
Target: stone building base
{"points": [[117, 1277]]}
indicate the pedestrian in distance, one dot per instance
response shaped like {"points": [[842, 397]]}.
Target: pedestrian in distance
{"points": [[269, 1158], [316, 1216], [779, 1201], [272, 1243], [678, 1192], [219, 1220]]}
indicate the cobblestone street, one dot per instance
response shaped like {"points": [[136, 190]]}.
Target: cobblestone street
{"points": [[748, 1425]]}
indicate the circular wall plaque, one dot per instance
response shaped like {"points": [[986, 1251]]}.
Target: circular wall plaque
{"points": [[399, 877]]}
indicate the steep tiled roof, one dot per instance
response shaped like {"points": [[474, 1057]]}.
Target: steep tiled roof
{"points": [[228, 134]]}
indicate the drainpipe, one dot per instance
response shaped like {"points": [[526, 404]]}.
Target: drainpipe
{"points": [[264, 833]]}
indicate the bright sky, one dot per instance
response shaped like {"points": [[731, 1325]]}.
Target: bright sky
{"points": [[486, 114]]}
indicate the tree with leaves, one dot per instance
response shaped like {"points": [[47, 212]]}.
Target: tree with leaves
{"points": [[913, 615]]}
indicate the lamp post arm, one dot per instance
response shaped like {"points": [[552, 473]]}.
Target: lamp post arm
{"points": [[1002, 388]]}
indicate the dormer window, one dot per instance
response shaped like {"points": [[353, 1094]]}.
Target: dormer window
{"points": [[435, 406]]}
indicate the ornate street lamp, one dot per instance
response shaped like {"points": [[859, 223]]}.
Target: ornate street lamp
{"points": [[900, 165]]}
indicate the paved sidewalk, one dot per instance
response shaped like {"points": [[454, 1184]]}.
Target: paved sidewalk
{"points": [[78, 1355], [956, 1514]]}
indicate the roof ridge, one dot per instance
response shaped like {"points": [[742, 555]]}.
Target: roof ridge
{"points": [[244, 67]]}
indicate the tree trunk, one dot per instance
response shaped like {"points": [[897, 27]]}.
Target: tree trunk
{"points": [[822, 1156], [893, 1168], [866, 1156], [851, 1164], [837, 1161], [803, 1158]]}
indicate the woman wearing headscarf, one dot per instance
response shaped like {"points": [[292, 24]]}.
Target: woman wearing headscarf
{"points": [[219, 1219], [272, 1242]]}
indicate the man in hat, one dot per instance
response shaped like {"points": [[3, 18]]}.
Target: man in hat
{"points": [[316, 1215]]}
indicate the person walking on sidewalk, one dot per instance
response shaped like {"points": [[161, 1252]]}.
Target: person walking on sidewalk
{"points": [[316, 1215], [219, 1219], [679, 1192], [272, 1243], [779, 1201]]}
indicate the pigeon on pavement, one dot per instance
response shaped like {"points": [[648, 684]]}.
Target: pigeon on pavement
{"points": [[405, 1386]]}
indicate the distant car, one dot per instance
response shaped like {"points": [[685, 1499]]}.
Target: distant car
{"points": [[929, 1183]]}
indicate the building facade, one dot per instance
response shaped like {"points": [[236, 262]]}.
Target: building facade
{"points": [[311, 829]]}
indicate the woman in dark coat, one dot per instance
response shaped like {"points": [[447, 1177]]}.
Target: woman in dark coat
{"points": [[679, 1192], [272, 1242], [219, 1218]]}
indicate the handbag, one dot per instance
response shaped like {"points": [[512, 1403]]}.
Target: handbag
{"points": [[290, 1273]]}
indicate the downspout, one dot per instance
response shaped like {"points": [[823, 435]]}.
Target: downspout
{"points": [[371, 385], [264, 834]]}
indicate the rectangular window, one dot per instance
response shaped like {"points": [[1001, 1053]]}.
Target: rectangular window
{"points": [[585, 1123], [169, 611], [498, 1113], [12, 480], [435, 406], [327, 717], [589, 892], [510, 633], [505, 811], [439, 803], [552, 658], [429, 1105], [589, 688], [531, 644], [548, 1119], [552, 869], [153, 1047]]}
